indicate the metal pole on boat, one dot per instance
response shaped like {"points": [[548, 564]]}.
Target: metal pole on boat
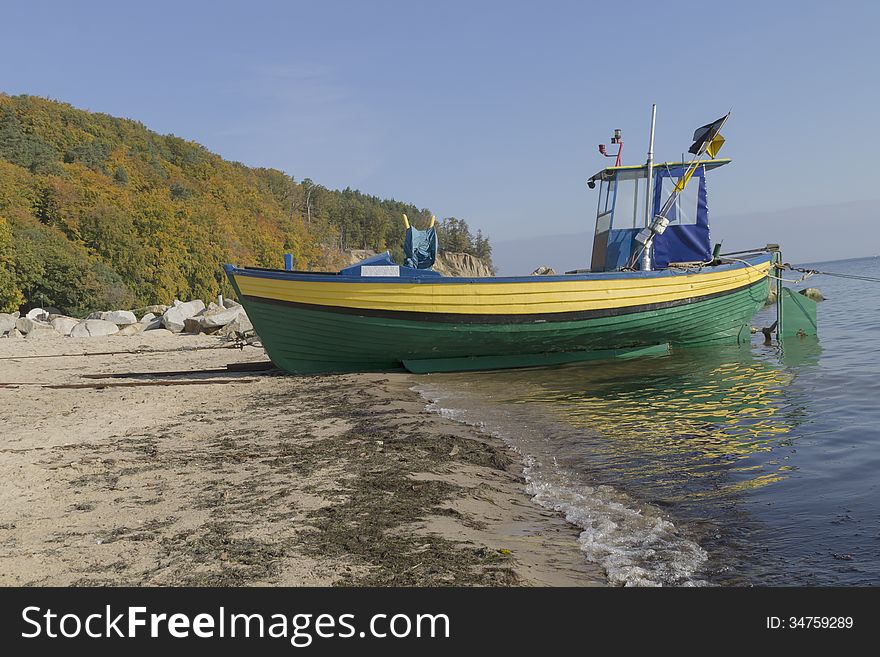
{"points": [[779, 314], [649, 197]]}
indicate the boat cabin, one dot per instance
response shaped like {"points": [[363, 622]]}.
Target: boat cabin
{"points": [[621, 215]]}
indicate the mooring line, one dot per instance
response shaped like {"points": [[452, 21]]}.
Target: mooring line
{"points": [[816, 272]]}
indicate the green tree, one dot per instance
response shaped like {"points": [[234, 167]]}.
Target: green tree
{"points": [[120, 175], [92, 154], [22, 147], [180, 192], [50, 272], [482, 248], [10, 295]]}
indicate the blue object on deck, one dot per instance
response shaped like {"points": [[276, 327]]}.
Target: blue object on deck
{"points": [[288, 261], [420, 248]]}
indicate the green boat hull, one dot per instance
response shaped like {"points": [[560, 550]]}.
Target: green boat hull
{"points": [[307, 341]]}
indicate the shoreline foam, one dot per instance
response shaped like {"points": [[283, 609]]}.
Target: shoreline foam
{"points": [[632, 542]]}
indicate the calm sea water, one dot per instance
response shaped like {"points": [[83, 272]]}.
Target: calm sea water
{"points": [[745, 465]]}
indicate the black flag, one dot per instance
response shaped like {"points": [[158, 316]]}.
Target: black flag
{"points": [[705, 135]]}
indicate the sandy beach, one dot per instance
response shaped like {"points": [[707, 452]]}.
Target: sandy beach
{"points": [[251, 478]]}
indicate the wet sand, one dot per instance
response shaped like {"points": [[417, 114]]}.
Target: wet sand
{"points": [[253, 478]]}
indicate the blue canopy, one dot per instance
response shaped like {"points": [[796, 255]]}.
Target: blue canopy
{"points": [[687, 238], [621, 215]]}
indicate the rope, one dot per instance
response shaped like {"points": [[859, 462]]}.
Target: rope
{"points": [[807, 273], [813, 272]]}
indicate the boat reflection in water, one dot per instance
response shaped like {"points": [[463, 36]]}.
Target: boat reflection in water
{"points": [[691, 417], [653, 457]]}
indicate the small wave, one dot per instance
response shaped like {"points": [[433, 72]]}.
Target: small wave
{"points": [[632, 542], [635, 546]]}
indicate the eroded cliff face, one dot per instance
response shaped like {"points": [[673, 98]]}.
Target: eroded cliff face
{"points": [[448, 264], [461, 264]]}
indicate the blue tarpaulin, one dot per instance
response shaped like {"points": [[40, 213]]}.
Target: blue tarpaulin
{"points": [[682, 242], [420, 248]]}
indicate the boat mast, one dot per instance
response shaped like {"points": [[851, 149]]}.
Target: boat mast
{"points": [[649, 199]]}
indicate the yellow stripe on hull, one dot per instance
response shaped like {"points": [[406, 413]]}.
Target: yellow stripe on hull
{"points": [[505, 298]]}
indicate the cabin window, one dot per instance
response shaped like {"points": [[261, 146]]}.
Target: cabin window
{"points": [[684, 212], [629, 200], [606, 196]]}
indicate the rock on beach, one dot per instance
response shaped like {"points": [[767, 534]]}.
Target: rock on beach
{"points": [[241, 324], [156, 309], [131, 329], [119, 317], [7, 322], [26, 324], [151, 322], [220, 318], [173, 319], [93, 327], [191, 325], [64, 325], [36, 313]]}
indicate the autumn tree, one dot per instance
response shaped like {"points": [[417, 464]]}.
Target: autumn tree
{"points": [[98, 212]]}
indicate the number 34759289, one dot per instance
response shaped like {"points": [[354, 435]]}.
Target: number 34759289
{"points": [[810, 622]]}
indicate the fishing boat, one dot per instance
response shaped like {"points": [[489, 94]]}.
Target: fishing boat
{"points": [[654, 283]]}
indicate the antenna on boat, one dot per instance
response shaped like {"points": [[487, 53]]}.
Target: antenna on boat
{"points": [[615, 139], [649, 197]]}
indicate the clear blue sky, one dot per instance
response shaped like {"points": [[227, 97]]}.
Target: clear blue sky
{"points": [[487, 111]]}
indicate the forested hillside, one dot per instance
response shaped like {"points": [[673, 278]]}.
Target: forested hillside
{"points": [[99, 212]]}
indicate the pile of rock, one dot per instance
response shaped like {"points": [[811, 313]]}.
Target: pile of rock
{"points": [[36, 324], [226, 318]]}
